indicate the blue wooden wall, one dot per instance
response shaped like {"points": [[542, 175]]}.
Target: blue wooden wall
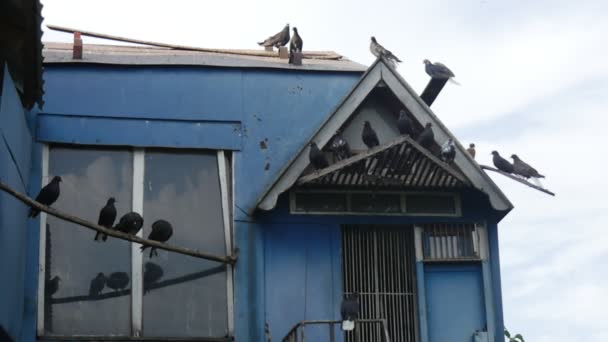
{"points": [[15, 146]]}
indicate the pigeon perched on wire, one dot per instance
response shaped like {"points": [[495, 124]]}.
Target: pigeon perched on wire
{"points": [[448, 151], [107, 216], [277, 40], [152, 274], [97, 285], [426, 137], [47, 195], [350, 311], [439, 71], [379, 51], [340, 146], [316, 157], [130, 223], [471, 150], [523, 169], [369, 136], [117, 280], [295, 45], [501, 163], [52, 285], [404, 124], [161, 232]]}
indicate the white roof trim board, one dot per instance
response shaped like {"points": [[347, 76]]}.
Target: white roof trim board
{"points": [[377, 72]]}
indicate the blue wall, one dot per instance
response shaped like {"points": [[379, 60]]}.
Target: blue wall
{"points": [[15, 146]]}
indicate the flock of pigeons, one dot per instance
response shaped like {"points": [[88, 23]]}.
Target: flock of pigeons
{"points": [[519, 167], [282, 38]]}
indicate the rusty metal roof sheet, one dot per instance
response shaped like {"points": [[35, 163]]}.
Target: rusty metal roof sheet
{"points": [[402, 163]]}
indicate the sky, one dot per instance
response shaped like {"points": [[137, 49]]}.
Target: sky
{"points": [[534, 78]]}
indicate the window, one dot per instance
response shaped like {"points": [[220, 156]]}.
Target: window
{"points": [[457, 241], [167, 296]]}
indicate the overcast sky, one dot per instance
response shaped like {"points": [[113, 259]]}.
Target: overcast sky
{"points": [[534, 78]]}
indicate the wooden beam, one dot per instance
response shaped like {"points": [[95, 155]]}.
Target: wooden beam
{"points": [[518, 179], [231, 259]]}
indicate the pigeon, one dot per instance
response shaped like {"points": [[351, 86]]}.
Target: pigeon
{"points": [[4, 336], [523, 169], [161, 232], [439, 71], [97, 285], [404, 123], [501, 163], [379, 51], [152, 274], [448, 151], [279, 39], [471, 150], [130, 223], [350, 311], [369, 136], [316, 157], [52, 285], [340, 147], [426, 138], [295, 45], [107, 216], [47, 195], [117, 281]]}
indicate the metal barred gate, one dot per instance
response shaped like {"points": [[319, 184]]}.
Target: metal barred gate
{"points": [[379, 264]]}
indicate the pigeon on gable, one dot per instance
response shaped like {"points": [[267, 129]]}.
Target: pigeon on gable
{"points": [[471, 150], [379, 51], [448, 151], [97, 285], [161, 232], [523, 169], [316, 157], [404, 123], [277, 40], [340, 146], [427, 137], [130, 223], [350, 311], [501, 163], [295, 45], [439, 71], [107, 216], [47, 195], [369, 136]]}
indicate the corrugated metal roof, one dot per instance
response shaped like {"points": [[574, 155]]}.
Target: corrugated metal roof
{"points": [[146, 55], [401, 163]]}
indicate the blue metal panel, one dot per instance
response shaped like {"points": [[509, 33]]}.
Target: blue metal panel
{"points": [[454, 301], [94, 130], [496, 282]]}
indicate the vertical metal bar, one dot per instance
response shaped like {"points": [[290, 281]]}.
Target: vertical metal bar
{"points": [[226, 204], [136, 255], [42, 245], [332, 337]]}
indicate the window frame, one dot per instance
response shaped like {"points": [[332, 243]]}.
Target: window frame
{"points": [[225, 164]]}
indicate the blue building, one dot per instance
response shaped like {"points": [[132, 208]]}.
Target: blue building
{"points": [[217, 143]]}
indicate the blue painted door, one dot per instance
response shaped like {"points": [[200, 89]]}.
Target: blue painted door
{"points": [[454, 302]]}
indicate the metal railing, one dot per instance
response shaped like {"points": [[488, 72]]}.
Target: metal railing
{"points": [[298, 332]]}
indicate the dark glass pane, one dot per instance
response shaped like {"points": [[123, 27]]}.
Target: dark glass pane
{"points": [[89, 177], [430, 204], [184, 296], [376, 203], [320, 202]]}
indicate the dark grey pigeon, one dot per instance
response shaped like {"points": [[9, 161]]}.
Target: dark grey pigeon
{"points": [[404, 123], [426, 137], [130, 223], [52, 285], [523, 169], [279, 39], [501, 163], [316, 157], [340, 146], [379, 51], [349, 310], [47, 195], [369, 136], [97, 285], [448, 151], [107, 216], [161, 232], [117, 281], [439, 71], [295, 45], [152, 274]]}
